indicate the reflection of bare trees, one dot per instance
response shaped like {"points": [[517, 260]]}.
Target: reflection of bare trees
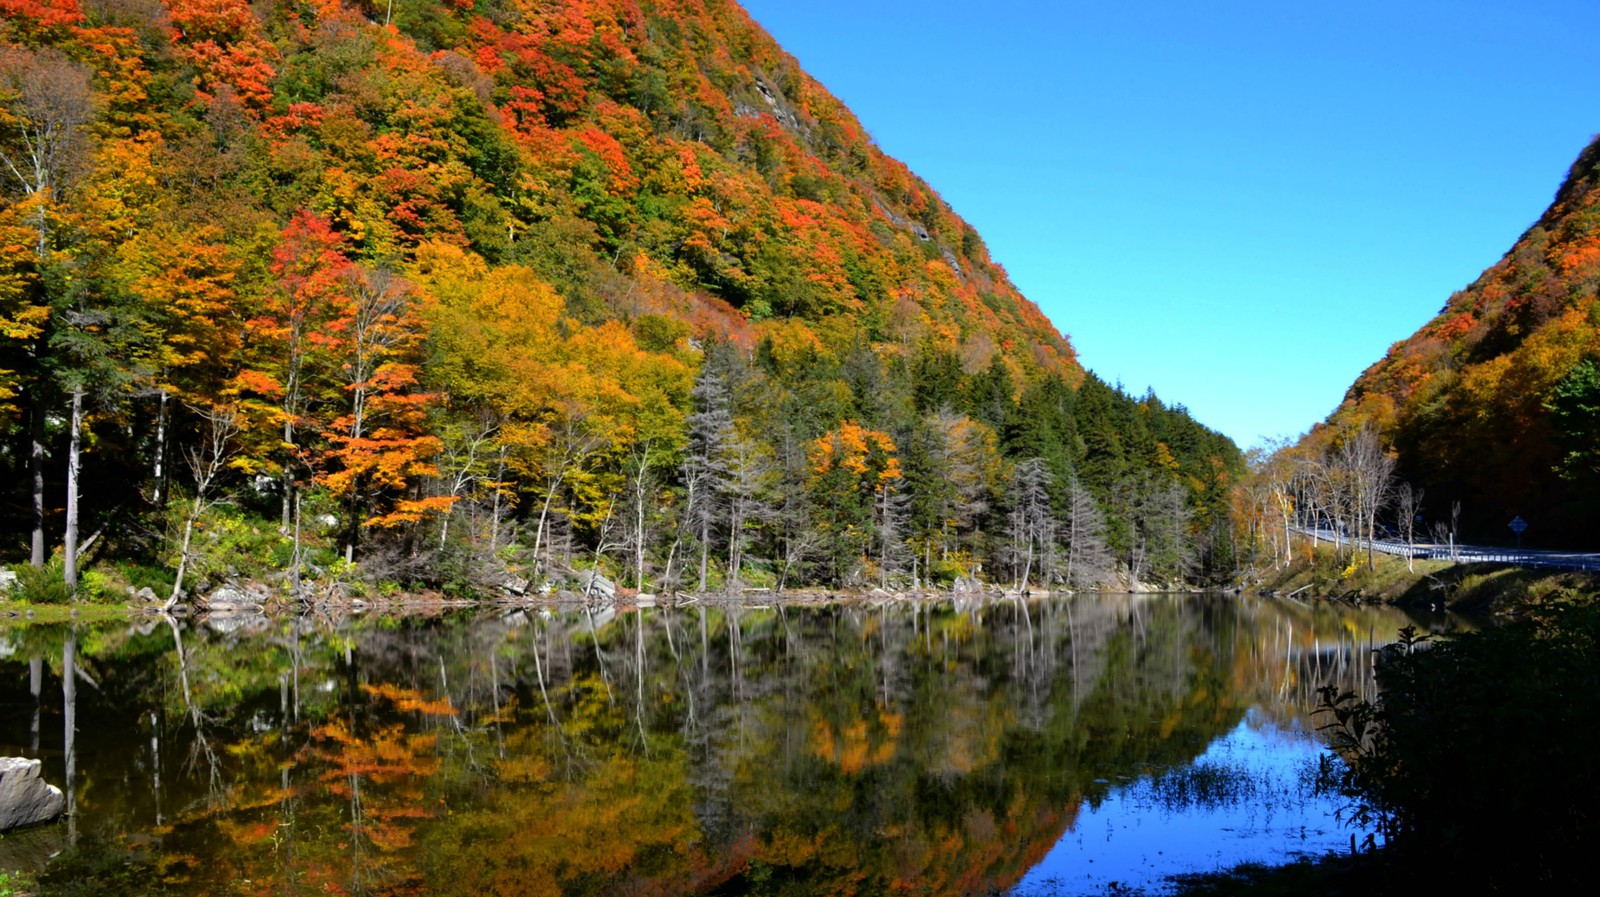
{"points": [[200, 749], [69, 713], [1287, 651], [36, 689], [753, 707]]}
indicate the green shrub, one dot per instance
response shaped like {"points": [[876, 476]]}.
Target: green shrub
{"points": [[226, 542], [15, 884], [42, 585], [98, 587], [1479, 752], [146, 576], [946, 571]]}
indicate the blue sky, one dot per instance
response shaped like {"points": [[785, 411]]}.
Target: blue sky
{"points": [[1241, 204]]}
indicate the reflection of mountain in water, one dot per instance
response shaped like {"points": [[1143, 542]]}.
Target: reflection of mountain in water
{"points": [[848, 749]]}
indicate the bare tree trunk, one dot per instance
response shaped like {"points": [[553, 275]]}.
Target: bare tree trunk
{"points": [[289, 502], [1409, 502], [734, 525], [668, 574], [357, 431], [599, 549], [1288, 545], [69, 705], [705, 541], [1027, 569], [640, 493], [158, 491], [494, 519], [36, 688], [295, 567], [544, 516], [183, 553], [36, 469], [70, 543]]}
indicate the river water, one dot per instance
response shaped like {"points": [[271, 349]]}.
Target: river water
{"points": [[1056, 746]]}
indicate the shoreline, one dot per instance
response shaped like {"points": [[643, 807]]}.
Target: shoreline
{"points": [[259, 604]]}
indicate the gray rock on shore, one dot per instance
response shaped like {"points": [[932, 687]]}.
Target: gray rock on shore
{"points": [[26, 799]]}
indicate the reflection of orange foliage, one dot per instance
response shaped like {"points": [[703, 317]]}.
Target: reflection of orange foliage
{"points": [[409, 700], [789, 848], [384, 774], [246, 833], [624, 816], [859, 744], [388, 755]]}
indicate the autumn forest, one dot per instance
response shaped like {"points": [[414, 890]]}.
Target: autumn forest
{"points": [[567, 335], [478, 297]]}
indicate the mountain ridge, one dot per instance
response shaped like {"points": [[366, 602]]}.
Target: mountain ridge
{"points": [[1471, 401], [501, 259]]}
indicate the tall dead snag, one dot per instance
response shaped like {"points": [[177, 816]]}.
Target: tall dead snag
{"points": [[1034, 530], [45, 104]]}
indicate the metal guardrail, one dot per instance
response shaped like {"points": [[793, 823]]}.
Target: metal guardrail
{"points": [[1464, 554]]}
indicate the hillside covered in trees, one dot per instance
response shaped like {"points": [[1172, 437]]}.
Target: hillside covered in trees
{"points": [[1495, 403], [462, 294]]}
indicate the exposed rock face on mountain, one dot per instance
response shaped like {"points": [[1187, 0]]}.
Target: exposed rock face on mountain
{"points": [[1496, 402]]}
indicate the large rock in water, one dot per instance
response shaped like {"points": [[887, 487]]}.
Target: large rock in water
{"points": [[26, 799]]}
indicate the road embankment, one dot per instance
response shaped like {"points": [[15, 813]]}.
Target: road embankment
{"points": [[1438, 585]]}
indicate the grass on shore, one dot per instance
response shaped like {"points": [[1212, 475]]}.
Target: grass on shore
{"points": [[20, 611], [1465, 588]]}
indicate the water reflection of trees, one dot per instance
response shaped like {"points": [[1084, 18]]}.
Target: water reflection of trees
{"points": [[936, 748]]}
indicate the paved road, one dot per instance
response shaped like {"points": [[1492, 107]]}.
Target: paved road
{"points": [[1471, 554]]}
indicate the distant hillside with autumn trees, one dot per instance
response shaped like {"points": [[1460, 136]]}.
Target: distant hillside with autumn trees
{"points": [[1492, 409], [463, 293]]}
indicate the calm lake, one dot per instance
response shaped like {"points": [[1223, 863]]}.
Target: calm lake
{"points": [[1048, 747]]}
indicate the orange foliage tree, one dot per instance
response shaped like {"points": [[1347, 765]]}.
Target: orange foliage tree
{"points": [[855, 472]]}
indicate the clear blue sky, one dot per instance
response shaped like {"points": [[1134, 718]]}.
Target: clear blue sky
{"points": [[1241, 204]]}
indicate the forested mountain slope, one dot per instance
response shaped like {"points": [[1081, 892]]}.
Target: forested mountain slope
{"points": [[1495, 403], [506, 285]]}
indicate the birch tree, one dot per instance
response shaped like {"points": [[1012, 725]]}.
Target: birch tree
{"points": [[1408, 502], [1368, 474]]}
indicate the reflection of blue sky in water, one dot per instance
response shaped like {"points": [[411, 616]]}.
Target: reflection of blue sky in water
{"points": [[1137, 839]]}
